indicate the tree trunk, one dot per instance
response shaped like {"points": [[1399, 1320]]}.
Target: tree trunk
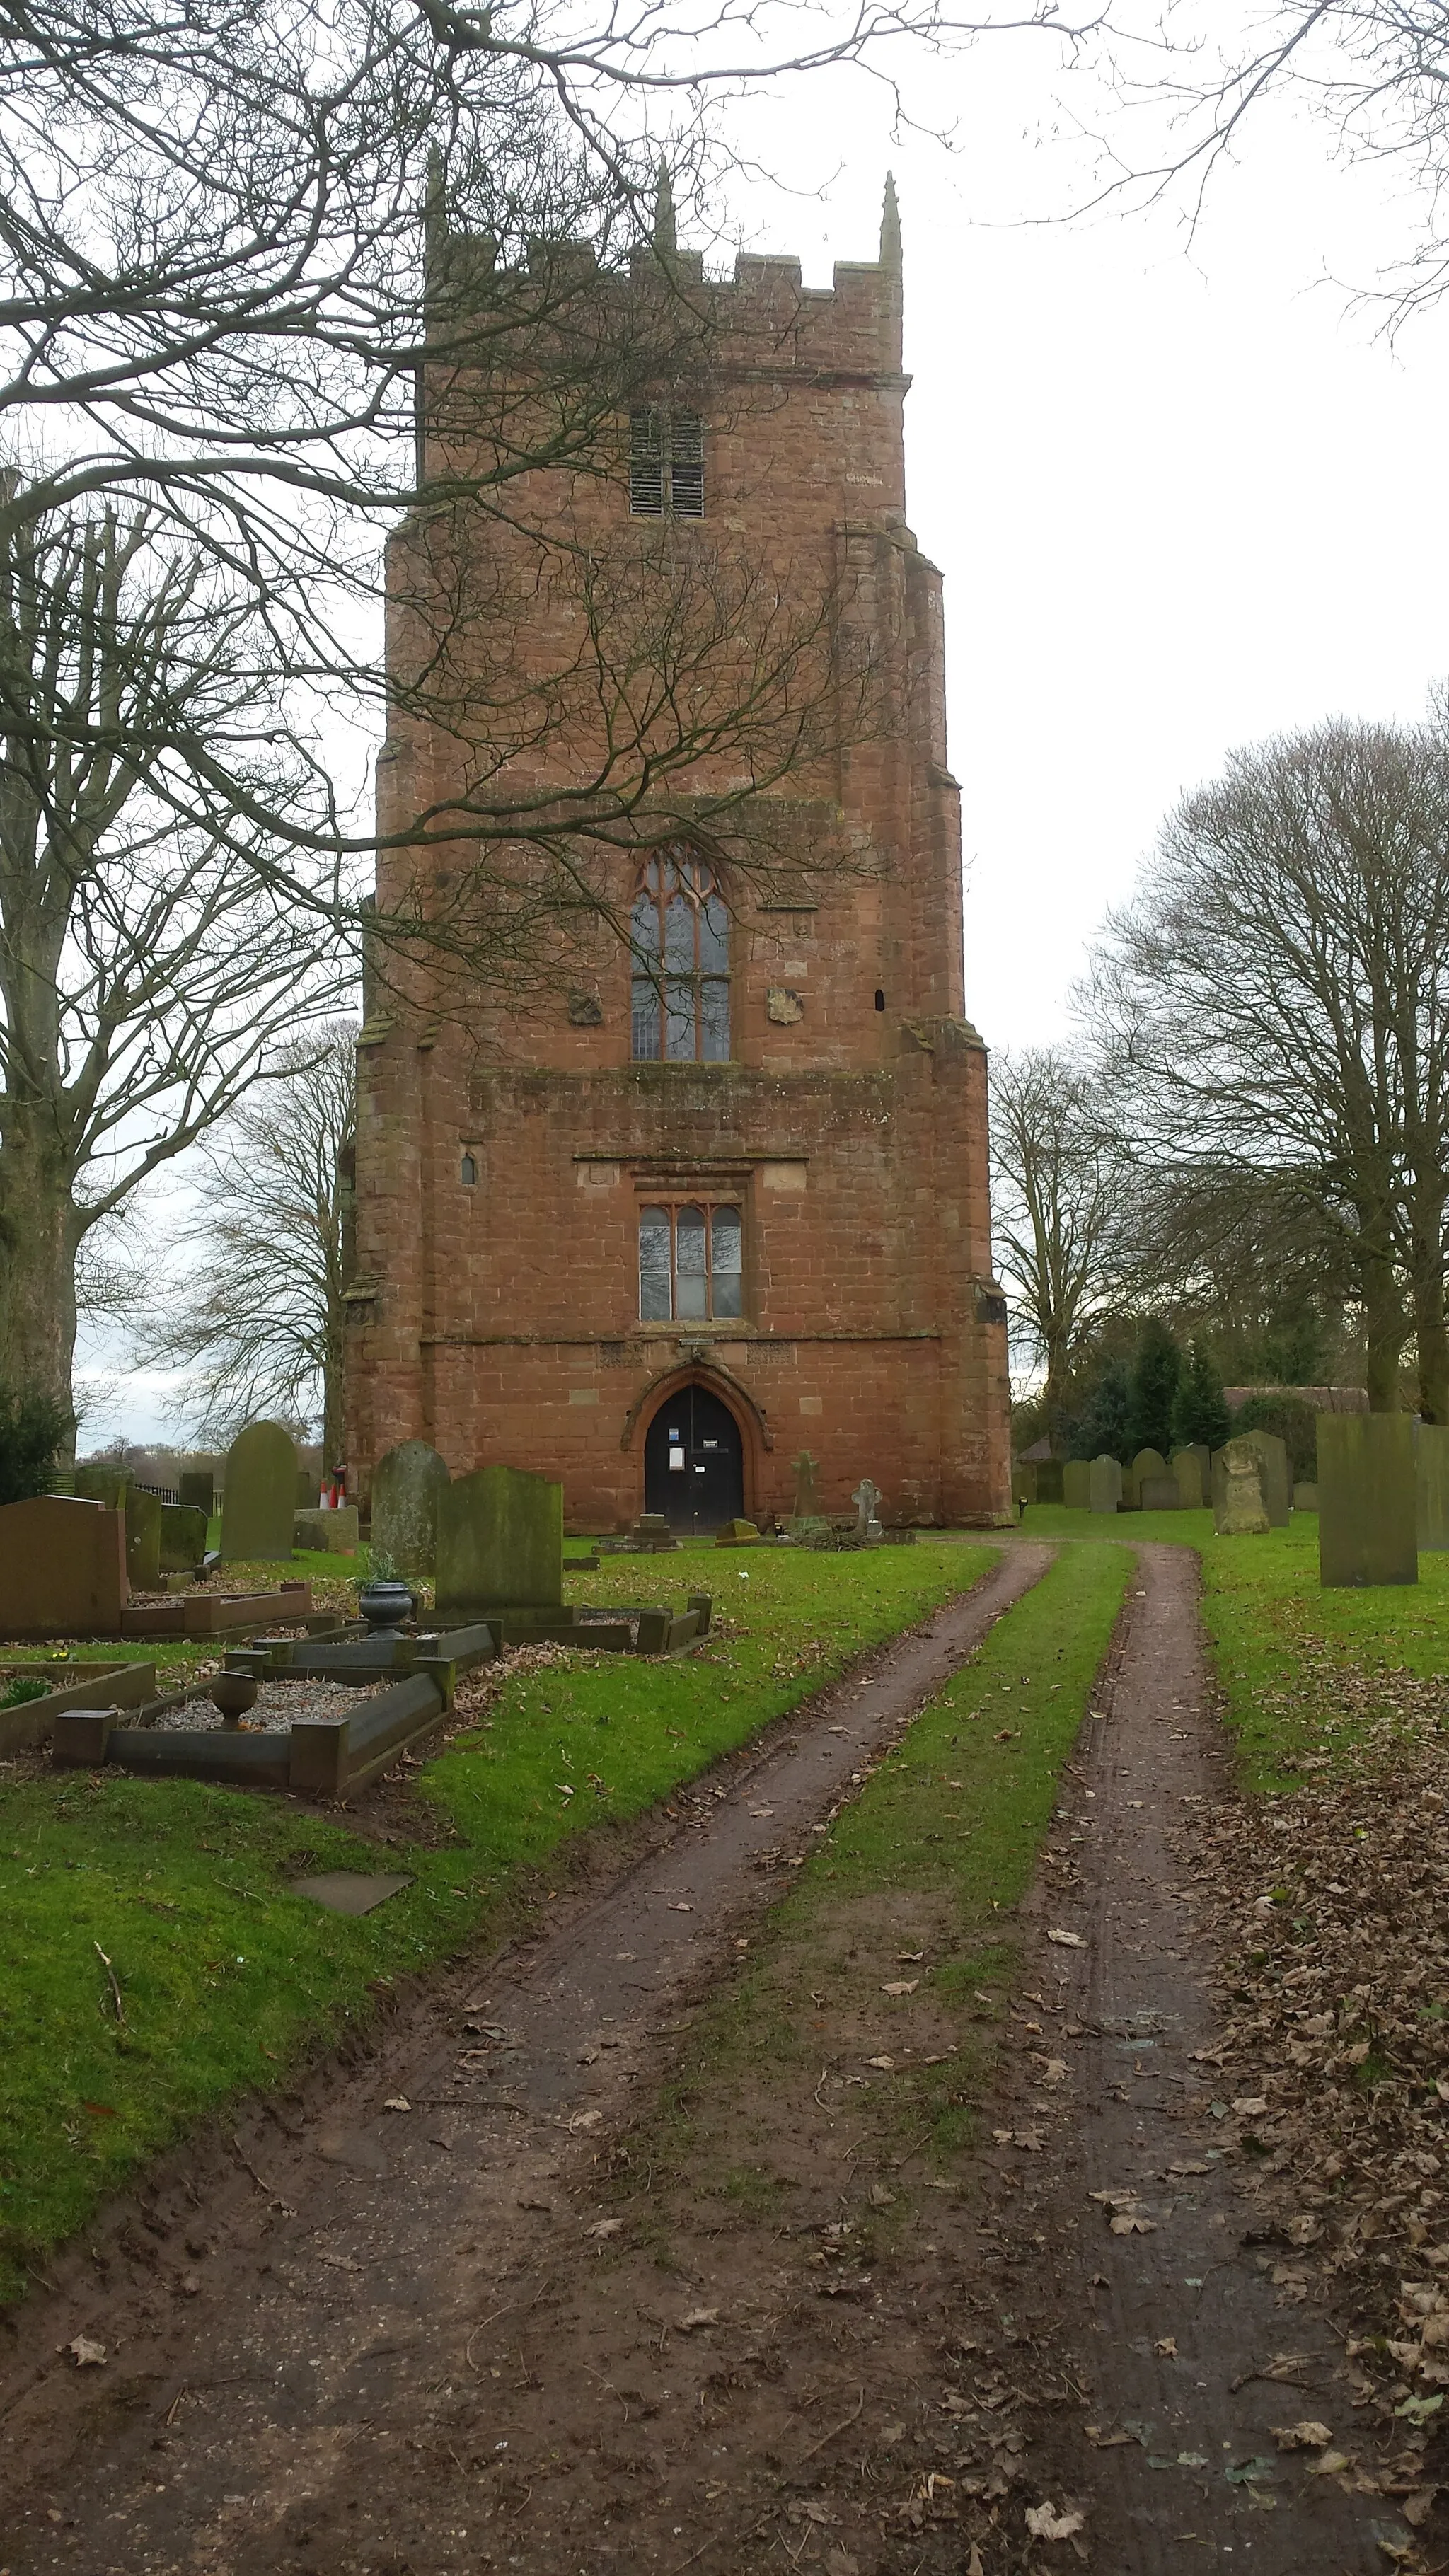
{"points": [[39, 1236], [1432, 1335], [1384, 1325]]}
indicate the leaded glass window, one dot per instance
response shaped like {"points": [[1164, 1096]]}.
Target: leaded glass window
{"points": [[690, 1264], [679, 931]]}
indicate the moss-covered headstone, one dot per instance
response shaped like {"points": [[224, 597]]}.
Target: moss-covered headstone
{"points": [[406, 1484], [1367, 1499], [1049, 1480], [197, 1488], [1104, 1484], [115, 1487], [1431, 1477], [259, 1496], [183, 1537], [1148, 1462], [500, 1544], [1077, 1485], [1274, 1474], [1239, 1510], [1190, 1467]]}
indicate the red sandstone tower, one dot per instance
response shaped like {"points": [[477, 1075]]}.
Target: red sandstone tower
{"points": [[724, 1197]]}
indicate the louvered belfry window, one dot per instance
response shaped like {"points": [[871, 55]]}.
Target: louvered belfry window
{"points": [[666, 463]]}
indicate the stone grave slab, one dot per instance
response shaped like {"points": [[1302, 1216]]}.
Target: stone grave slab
{"points": [[1305, 1495], [349, 1891], [259, 1496], [1367, 1499], [1148, 1462], [1189, 1466], [1160, 1494], [1050, 1480], [1077, 1485], [197, 1488], [1275, 1474], [183, 1538], [500, 1543], [1104, 1485], [62, 1568], [1239, 1510], [326, 1533], [1431, 1480], [406, 1483]]}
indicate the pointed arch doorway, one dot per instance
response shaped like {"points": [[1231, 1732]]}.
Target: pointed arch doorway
{"points": [[694, 1462]]}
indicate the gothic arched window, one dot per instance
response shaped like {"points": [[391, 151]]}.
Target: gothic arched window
{"points": [[679, 932]]}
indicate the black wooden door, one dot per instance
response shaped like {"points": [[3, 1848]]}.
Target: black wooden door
{"points": [[694, 1463]]}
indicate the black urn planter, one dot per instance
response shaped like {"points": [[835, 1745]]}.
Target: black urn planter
{"points": [[385, 1606]]}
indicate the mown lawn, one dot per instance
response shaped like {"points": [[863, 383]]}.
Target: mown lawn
{"points": [[226, 1978]]}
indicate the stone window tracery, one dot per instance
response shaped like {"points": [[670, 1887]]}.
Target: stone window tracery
{"points": [[679, 932], [690, 1263]]}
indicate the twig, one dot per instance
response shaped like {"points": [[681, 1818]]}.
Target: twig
{"points": [[834, 2429], [115, 1989], [478, 2329], [714, 2536], [170, 2415], [269, 2188]]}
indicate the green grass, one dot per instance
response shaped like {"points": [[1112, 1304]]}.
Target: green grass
{"points": [[226, 1978], [954, 1817]]}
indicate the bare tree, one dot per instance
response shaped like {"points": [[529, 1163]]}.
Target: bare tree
{"points": [[146, 969], [261, 1315], [1061, 1193], [1275, 1004]]}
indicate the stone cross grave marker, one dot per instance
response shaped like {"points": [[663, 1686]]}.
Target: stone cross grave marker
{"points": [[1367, 1499], [259, 1496], [807, 1500], [406, 1484], [500, 1544], [865, 1498]]}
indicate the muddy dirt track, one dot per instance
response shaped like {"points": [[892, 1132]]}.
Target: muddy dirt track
{"points": [[472, 2333]]}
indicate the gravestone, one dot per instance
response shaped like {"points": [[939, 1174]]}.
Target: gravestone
{"points": [[258, 1496], [1305, 1496], [1431, 1480], [197, 1488], [327, 1533], [1077, 1485], [1023, 1480], [1049, 1480], [1367, 1499], [1104, 1485], [113, 1486], [737, 1534], [1189, 1466], [308, 1489], [1160, 1494], [807, 1499], [1148, 1462], [183, 1537], [1239, 1510], [62, 1568], [406, 1483], [500, 1544], [867, 1522], [1274, 1473]]}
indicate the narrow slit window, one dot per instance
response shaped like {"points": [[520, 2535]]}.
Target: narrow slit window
{"points": [[666, 463], [690, 1264], [468, 1173]]}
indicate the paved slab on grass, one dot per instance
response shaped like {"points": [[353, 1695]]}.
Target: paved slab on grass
{"points": [[298, 2394], [349, 1891]]}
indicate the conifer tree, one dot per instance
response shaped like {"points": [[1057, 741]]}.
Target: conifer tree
{"points": [[1200, 1408], [1155, 1374], [1105, 1429]]}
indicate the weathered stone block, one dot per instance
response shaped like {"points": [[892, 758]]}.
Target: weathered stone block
{"points": [[183, 1537], [1104, 1486], [1367, 1499], [333, 1533], [737, 1534], [500, 1543], [1077, 1485], [1160, 1494], [1431, 1480], [406, 1484], [62, 1568], [1274, 1474], [80, 1737], [1239, 1510], [259, 1495]]}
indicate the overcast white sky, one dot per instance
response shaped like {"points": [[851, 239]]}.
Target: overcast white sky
{"points": [[1183, 493]]}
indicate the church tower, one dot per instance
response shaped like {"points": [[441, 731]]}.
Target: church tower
{"points": [[718, 1194]]}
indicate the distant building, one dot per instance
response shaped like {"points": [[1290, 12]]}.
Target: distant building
{"points": [[728, 1200]]}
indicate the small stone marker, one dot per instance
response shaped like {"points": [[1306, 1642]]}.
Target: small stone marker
{"points": [[1077, 1485], [62, 1568], [406, 1483], [1431, 1476], [1305, 1497], [349, 1891], [1189, 1466], [807, 1500], [500, 1544], [183, 1538], [197, 1488], [1104, 1484], [258, 1497], [1239, 1510], [1160, 1494], [1367, 1499], [1274, 1474], [737, 1534]]}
